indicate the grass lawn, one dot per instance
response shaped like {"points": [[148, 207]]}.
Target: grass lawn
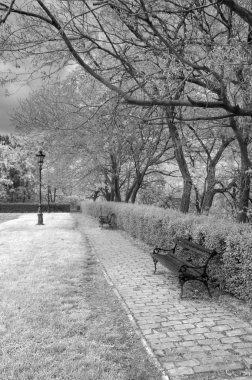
{"points": [[4, 217], [60, 320]]}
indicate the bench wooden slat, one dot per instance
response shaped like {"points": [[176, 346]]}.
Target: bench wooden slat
{"points": [[174, 263], [193, 246]]}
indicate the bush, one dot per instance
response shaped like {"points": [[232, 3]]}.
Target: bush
{"points": [[33, 207], [231, 268]]}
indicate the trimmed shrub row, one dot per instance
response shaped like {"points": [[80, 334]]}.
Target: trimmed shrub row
{"points": [[231, 269], [33, 207]]}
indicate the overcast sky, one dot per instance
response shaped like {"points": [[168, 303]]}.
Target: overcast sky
{"points": [[7, 104], [13, 92], [9, 97]]}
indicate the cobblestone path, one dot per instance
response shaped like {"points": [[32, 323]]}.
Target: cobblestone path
{"points": [[192, 339]]}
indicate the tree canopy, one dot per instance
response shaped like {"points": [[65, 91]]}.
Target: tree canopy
{"points": [[187, 61], [189, 54]]}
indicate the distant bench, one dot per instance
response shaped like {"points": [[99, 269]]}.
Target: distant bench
{"points": [[107, 219], [185, 268]]}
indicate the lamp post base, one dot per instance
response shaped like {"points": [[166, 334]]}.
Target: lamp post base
{"points": [[40, 219]]}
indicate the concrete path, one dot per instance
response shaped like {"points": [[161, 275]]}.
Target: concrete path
{"points": [[192, 339]]}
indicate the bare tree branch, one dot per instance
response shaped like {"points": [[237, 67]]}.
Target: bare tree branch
{"points": [[2, 21], [244, 13]]}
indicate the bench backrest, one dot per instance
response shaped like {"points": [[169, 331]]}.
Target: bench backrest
{"points": [[197, 248]]}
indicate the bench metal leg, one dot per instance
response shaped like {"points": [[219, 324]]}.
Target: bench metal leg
{"points": [[181, 283], [155, 261], [181, 292], [206, 284]]}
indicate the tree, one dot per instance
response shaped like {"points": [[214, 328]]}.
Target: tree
{"points": [[17, 180], [116, 146], [205, 147], [244, 13], [110, 34], [196, 54]]}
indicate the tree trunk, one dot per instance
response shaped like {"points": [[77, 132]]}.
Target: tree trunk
{"points": [[197, 200], [208, 197], [186, 195], [244, 183], [130, 190], [48, 198], [134, 194], [179, 155], [117, 190], [244, 189], [54, 195], [135, 191], [115, 179]]}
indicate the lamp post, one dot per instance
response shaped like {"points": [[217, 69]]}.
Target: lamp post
{"points": [[40, 156]]}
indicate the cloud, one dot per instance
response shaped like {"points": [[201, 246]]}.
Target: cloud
{"points": [[11, 91], [17, 86]]}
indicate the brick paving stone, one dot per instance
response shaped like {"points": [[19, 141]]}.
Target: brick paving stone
{"points": [[194, 320], [188, 336], [236, 332], [248, 362], [244, 351], [159, 352], [171, 323], [199, 330], [206, 324], [195, 337], [189, 343], [185, 326], [220, 346], [181, 371], [243, 345], [218, 366], [179, 333], [169, 365], [221, 328], [187, 363], [208, 341], [214, 335], [231, 340], [240, 325], [248, 337], [198, 348]]}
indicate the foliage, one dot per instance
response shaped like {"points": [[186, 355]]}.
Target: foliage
{"points": [[231, 268], [17, 171], [94, 140], [33, 207], [193, 58]]}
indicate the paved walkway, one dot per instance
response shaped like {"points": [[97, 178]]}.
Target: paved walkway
{"points": [[192, 339]]}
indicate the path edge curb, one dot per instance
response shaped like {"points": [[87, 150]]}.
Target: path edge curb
{"points": [[130, 316]]}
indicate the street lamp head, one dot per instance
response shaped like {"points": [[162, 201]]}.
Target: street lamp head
{"points": [[40, 157]]}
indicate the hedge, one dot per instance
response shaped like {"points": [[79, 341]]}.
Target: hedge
{"points": [[33, 207], [231, 269]]}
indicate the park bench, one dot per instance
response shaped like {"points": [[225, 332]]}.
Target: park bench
{"points": [[182, 262], [107, 219]]}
